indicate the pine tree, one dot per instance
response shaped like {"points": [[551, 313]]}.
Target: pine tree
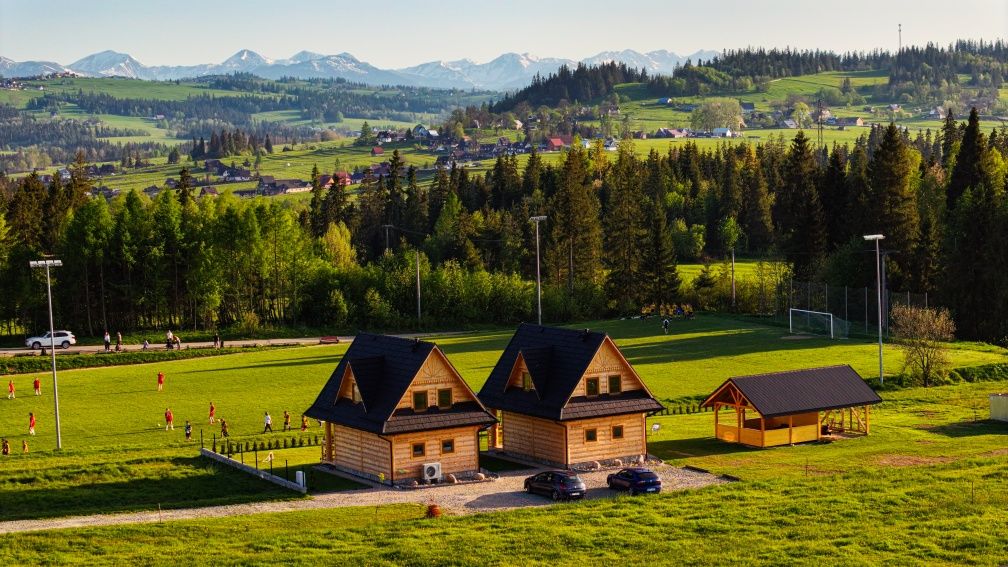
{"points": [[268, 144], [315, 212], [798, 211], [660, 275], [835, 199], [624, 229], [967, 171], [891, 175], [575, 248], [416, 209], [951, 138], [755, 218]]}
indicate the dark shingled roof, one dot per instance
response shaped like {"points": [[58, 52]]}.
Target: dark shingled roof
{"points": [[802, 391], [557, 359], [384, 368]]}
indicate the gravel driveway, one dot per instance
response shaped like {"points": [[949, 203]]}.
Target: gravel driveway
{"points": [[502, 494]]}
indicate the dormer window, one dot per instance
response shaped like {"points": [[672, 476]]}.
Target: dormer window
{"points": [[591, 386], [527, 381], [615, 384], [444, 398], [420, 401]]}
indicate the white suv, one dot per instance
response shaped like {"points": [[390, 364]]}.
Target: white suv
{"points": [[61, 338]]}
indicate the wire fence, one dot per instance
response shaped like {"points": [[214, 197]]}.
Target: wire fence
{"points": [[856, 306]]}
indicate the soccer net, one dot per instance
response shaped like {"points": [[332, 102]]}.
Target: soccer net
{"points": [[817, 323]]}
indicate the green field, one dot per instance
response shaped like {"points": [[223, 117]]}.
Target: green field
{"points": [[870, 499]]}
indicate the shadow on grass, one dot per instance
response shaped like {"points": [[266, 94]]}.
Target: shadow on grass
{"points": [[971, 428], [315, 360], [695, 447], [186, 482]]}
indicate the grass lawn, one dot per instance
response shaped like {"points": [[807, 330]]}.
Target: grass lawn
{"points": [[929, 485]]}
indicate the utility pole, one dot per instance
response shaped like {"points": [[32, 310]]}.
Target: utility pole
{"points": [[52, 339], [878, 290], [537, 220], [386, 227], [418, 288]]}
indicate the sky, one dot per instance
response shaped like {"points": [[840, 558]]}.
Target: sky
{"points": [[400, 33]]}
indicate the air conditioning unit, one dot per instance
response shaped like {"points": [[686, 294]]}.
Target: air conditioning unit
{"points": [[432, 472]]}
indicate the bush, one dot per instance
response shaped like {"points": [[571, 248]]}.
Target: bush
{"points": [[248, 325], [983, 373]]}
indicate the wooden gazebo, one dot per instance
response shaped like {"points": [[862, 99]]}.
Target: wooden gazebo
{"points": [[790, 407]]}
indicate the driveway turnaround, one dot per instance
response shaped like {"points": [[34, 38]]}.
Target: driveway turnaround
{"points": [[505, 493]]}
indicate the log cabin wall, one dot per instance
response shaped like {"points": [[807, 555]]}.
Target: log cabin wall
{"points": [[464, 458], [632, 444], [533, 438], [359, 452]]}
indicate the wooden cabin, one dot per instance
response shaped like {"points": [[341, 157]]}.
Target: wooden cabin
{"points": [[565, 397], [796, 406], [397, 410]]}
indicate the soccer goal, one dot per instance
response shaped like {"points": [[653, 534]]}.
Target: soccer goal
{"points": [[817, 323]]}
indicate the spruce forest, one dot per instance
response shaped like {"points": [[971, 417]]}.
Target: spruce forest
{"points": [[617, 226]]}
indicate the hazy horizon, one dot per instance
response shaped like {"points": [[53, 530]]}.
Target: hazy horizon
{"points": [[184, 32]]}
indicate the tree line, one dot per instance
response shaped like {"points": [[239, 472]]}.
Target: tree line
{"points": [[617, 227]]}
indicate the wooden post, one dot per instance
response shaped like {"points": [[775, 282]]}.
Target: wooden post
{"points": [[717, 406], [867, 419], [762, 430], [790, 429]]}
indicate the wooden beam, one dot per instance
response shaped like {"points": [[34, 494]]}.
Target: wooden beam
{"points": [[790, 429], [867, 410]]}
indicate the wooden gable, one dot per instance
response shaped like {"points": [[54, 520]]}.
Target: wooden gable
{"points": [[348, 385], [437, 373], [728, 394], [609, 361], [516, 378]]}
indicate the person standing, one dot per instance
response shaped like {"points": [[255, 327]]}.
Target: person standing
{"points": [[213, 410], [286, 420], [188, 430], [665, 324], [10, 390], [169, 420], [304, 422], [108, 341], [160, 381], [31, 423], [268, 421], [169, 340], [223, 428], [6, 447], [38, 387], [118, 341], [24, 446]]}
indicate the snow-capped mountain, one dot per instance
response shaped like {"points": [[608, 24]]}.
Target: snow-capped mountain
{"points": [[506, 72], [109, 64], [11, 68], [660, 62]]}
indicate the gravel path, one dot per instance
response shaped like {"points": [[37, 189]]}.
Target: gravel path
{"points": [[502, 494]]}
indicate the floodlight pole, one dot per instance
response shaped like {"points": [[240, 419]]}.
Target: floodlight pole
{"points": [[52, 339], [537, 220], [878, 290]]}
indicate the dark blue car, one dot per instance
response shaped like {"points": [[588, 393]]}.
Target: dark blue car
{"points": [[557, 485], [636, 480]]}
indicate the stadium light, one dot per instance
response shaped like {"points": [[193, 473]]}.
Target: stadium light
{"points": [[537, 220], [878, 290], [52, 337]]}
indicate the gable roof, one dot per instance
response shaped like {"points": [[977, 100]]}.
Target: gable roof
{"points": [[384, 367], [556, 359], [802, 391]]}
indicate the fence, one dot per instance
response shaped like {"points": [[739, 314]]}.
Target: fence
{"points": [[254, 471], [858, 306]]}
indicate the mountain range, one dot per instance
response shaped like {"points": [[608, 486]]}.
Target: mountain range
{"points": [[506, 72]]}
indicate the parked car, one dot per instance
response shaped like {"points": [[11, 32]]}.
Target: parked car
{"points": [[636, 480], [61, 338], [556, 484]]}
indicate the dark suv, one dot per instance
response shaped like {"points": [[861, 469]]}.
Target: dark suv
{"points": [[636, 480], [556, 484]]}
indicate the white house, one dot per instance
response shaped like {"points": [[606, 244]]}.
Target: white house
{"points": [[722, 132]]}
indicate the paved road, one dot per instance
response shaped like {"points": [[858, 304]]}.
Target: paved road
{"points": [[502, 494], [87, 349]]}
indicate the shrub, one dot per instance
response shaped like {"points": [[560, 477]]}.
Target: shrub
{"points": [[31, 364]]}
